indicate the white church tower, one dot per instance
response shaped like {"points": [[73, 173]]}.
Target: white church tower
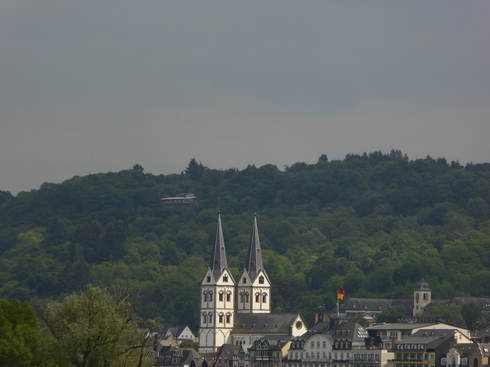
{"points": [[254, 287], [217, 299]]}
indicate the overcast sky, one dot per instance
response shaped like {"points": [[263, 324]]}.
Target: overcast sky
{"points": [[97, 86]]}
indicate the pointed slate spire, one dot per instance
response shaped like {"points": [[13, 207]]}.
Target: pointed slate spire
{"points": [[218, 262], [254, 253]]}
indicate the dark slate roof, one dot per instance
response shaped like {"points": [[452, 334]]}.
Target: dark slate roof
{"points": [[218, 262], [177, 357], [484, 332], [254, 264], [465, 349], [261, 323], [321, 327], [422, 286], [227, 351], [349, 330], [399, 326], [430, 338], [374, 304]]}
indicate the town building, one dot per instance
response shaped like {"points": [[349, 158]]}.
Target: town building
{"points": [[370, 308], [427, 347], [391, 333]]}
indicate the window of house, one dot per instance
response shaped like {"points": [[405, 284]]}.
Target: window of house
{"points": [[228, 297], [257, 298], [204, 318], [225, 279], [220, 319], [221, 296], [228, 318], [244, 280], [261, 280], [210, 296], [246, 297], [205, 296], [313, 344], [264, 298], [210, 318]]}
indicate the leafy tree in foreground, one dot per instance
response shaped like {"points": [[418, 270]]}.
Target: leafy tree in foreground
{"points": [[95, 329], [20, 338]]}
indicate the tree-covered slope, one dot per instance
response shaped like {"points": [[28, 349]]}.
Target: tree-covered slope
{"points": [[373, 223]]}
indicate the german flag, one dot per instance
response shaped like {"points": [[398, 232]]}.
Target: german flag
{"points": [[340, 293]]}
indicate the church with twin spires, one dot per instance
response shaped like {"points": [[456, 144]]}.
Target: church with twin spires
{"points": [[239, 312]]}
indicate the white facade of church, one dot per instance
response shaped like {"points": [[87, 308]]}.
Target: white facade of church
{"points": [[222, 298]]}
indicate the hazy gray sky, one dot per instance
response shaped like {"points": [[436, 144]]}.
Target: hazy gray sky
{"points": [[97, 86]]}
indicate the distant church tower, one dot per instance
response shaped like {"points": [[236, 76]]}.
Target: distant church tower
{"points": [[254, 287], [421, 297], [217, 299]]}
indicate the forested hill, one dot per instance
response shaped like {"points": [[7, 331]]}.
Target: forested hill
{"points": [[375, 224]]}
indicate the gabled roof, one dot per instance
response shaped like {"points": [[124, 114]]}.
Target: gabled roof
{"points": [[174, 331], [227, 351], [261, 323], [374, 304], [430, 339]]}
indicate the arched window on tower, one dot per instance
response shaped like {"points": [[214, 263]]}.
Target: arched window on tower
{"points": [[228, 297], [205, 296], [246, 297], [257, 298], [221, 296], [204, 318], [211, 296], [261, 279], [264, 298]]}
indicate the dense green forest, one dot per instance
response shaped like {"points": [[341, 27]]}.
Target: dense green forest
{"points": [[374, 223]]}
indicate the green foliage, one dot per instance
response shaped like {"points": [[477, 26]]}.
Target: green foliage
{"points": [[20, 336], [94, 328], [447, 313], [392, 314], [375, 223]]}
